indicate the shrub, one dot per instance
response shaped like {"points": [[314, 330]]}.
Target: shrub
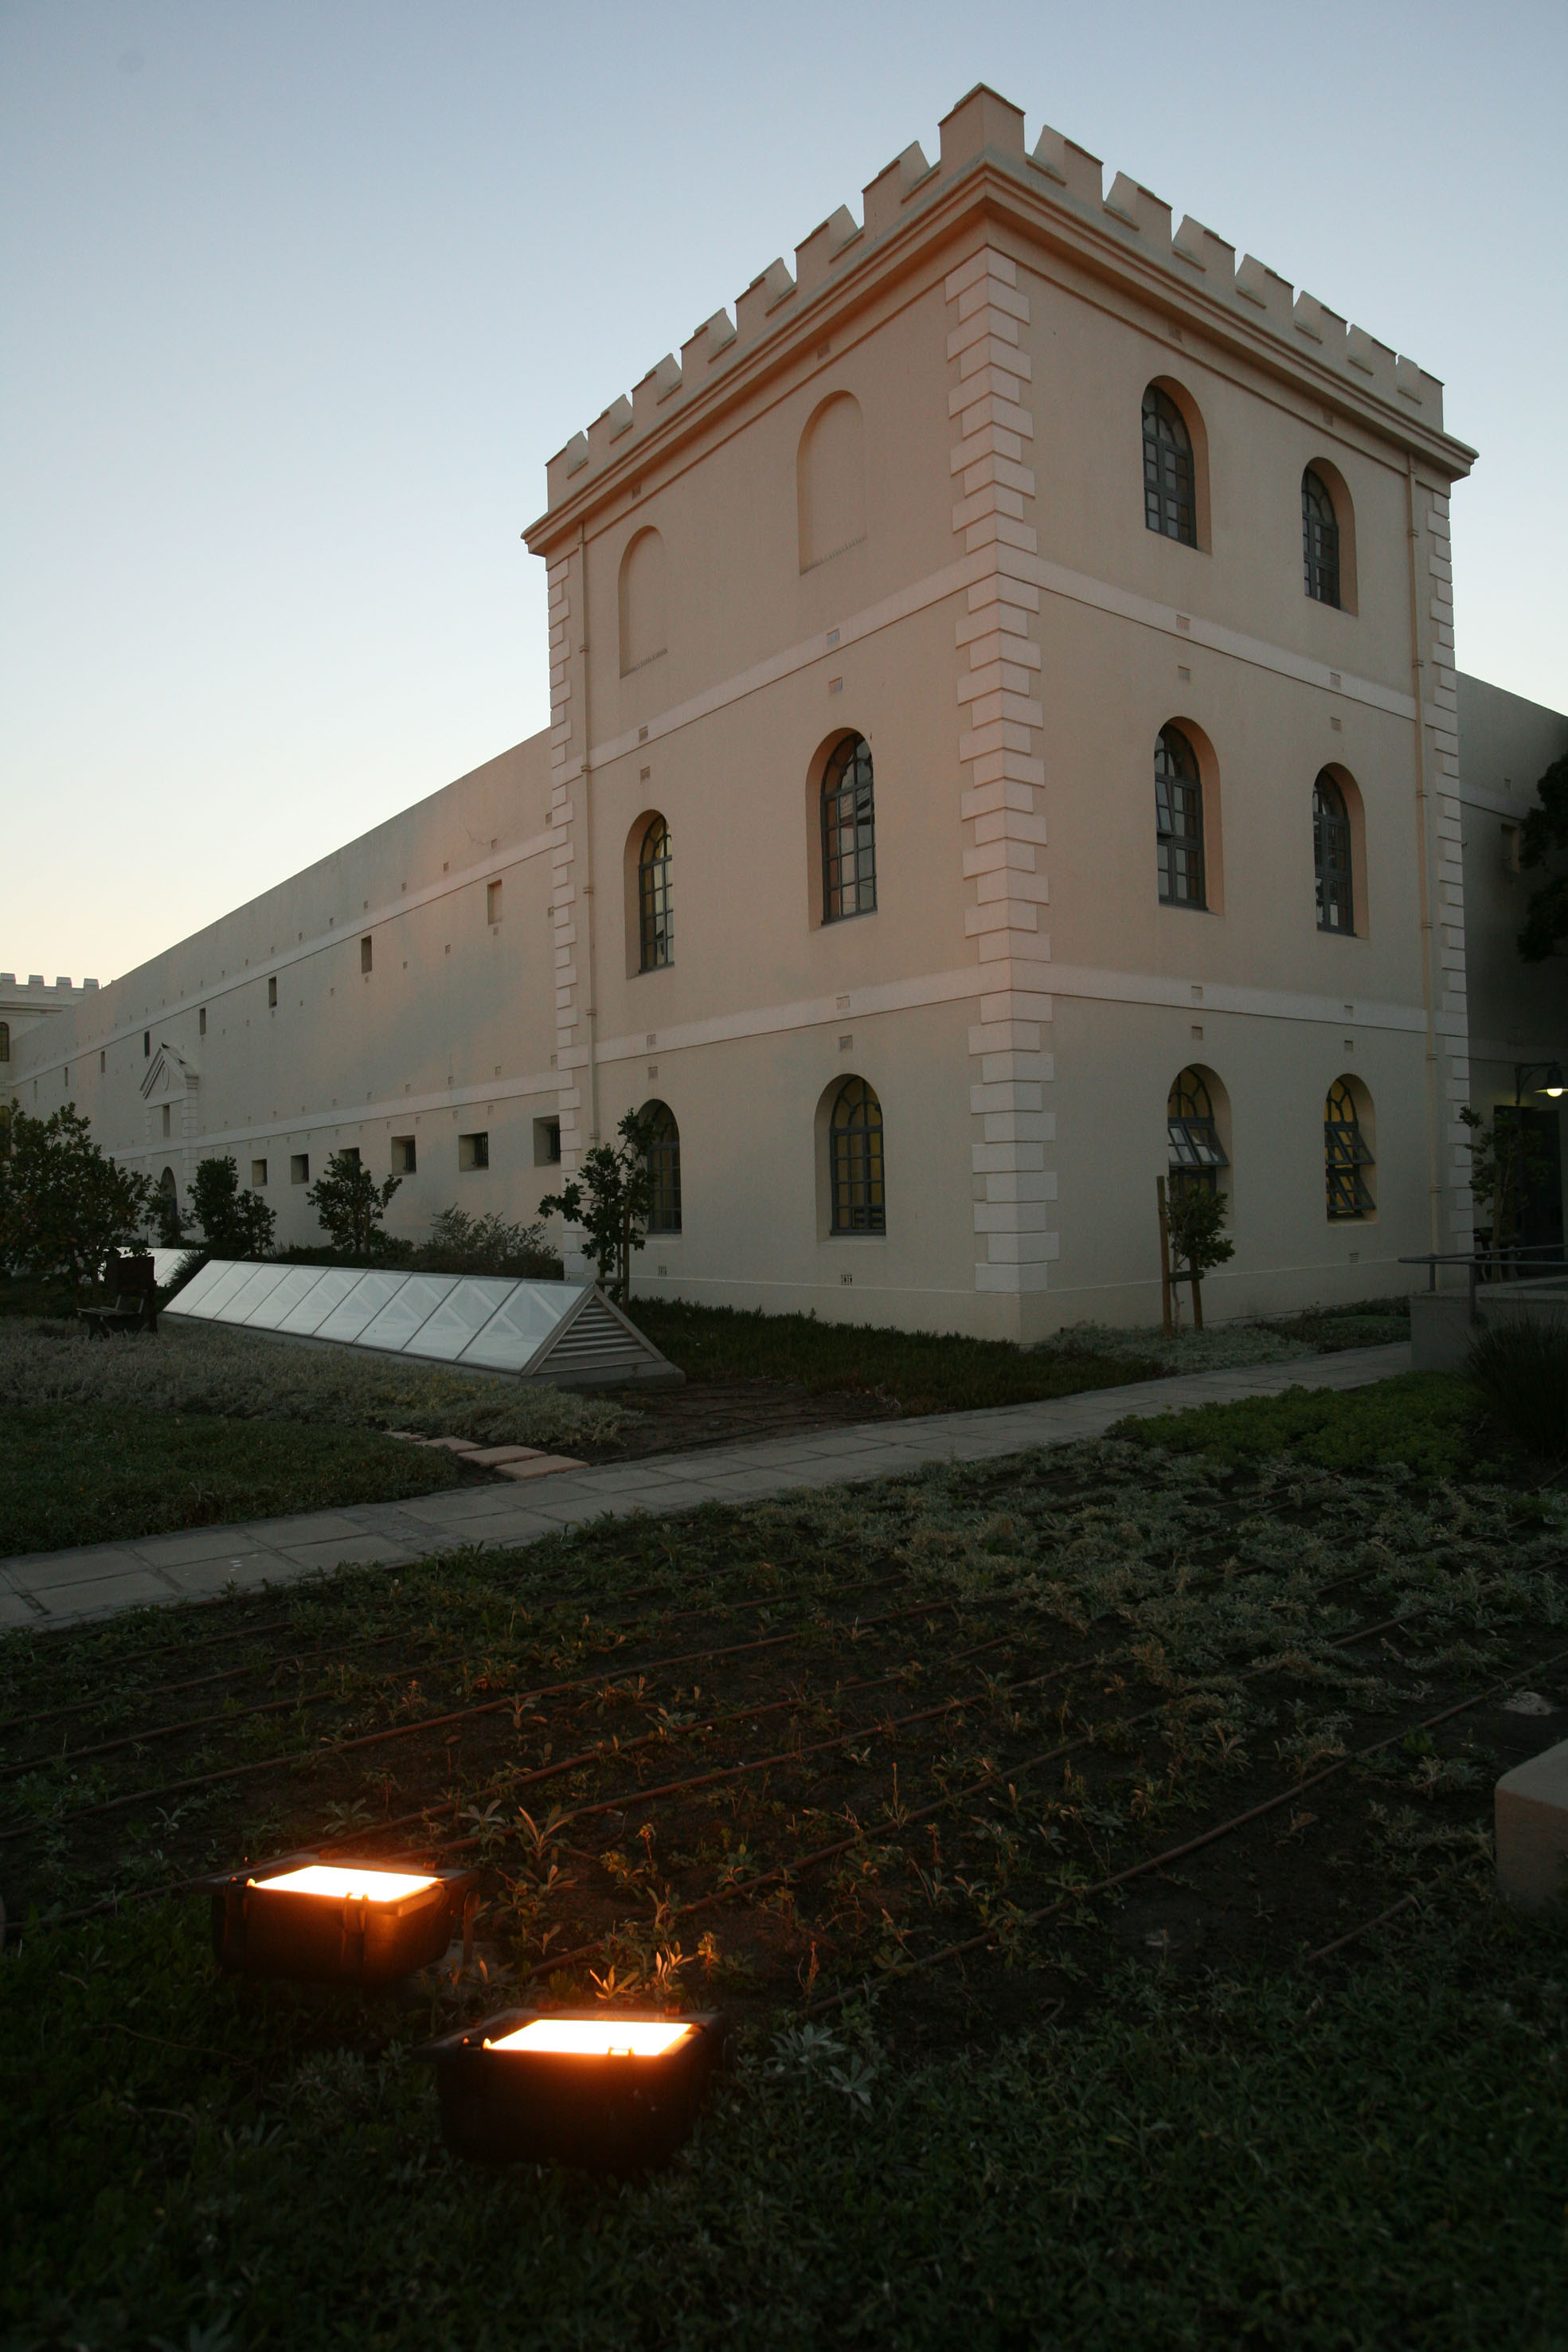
{"points": [[234, 1224], [64, 1203], [351, 1205], [460, 1244], [1521, 1368]]}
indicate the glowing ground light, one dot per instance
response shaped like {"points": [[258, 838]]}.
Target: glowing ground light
{"points": [[594, 2037], [324, 1878]]}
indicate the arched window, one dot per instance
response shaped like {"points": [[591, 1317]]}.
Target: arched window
{"points": [[663, 1168], [848, 832], [1196, 1154], [1347, 1155], [1331, 857], [1320, 540], [1170, 481], [166, 1182], [854, 1161], [655, 913], [1178, 820]]}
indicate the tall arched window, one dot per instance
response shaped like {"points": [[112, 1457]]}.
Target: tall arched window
{"points": [[663, 1168], [1178, 820], [854, 1161], [1170, 484], [1320, 540], [1196, 1154], [1331, 857], [848, 832], [1347, 1155], [655, 914]]}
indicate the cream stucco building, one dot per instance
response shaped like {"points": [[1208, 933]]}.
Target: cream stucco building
{"points": [[1002, 670]]}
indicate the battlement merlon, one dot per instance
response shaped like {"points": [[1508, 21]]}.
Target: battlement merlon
{"points": [[1130, 232]]}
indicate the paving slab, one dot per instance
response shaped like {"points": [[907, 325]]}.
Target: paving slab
{"points": [[95, 1579]]}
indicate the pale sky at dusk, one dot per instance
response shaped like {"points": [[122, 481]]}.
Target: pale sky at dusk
{"points": [[296, 300]]}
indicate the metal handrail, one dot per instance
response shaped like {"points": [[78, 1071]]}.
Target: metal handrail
{"points": [[1478, 1262]]}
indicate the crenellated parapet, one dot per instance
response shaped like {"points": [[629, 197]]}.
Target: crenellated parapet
{"points": [[1199, 267]]}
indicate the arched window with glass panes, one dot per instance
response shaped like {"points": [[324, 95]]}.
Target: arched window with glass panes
{"points": [[848, 832], [855, 1171], [1348, 1160], [1331, 856], [663, 1169], [1320, 540], [1170, 478], [1196, 1153], [1178, 820], [656, 911]]}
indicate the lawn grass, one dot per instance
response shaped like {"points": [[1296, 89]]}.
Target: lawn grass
{"points": [[925, 1371], [1091, 2134], [1430, 1421], [77, 1474]]}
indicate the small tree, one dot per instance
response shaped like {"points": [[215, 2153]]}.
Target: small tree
{"points": [[1196, 1217], [611, 1203], [1542, 840], [350, 1205], [234, 1224], [64, 1203], [1505, 1161]]}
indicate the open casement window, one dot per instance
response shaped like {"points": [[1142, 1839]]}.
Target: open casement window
{"points": [[854, 1161], [1170, 500], [1331, 858], [848, 832], [1196, 1154], [1320, 540], [655, 908], [1178, 820], [664, 1169], [1347, 1157]]}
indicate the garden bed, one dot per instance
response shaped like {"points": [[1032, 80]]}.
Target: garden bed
{"points": [[1111, 1748]]}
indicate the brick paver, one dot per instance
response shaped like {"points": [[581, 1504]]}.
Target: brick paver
{"points": [[65, 1588]]}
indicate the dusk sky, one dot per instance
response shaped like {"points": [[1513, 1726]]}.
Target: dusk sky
{"points": [[299, 298]]}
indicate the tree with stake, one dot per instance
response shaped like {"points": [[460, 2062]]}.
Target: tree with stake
{"points": [[234, 1224], [351, 1205], [611, 1203], [64, 1203], [1195, 1219]]}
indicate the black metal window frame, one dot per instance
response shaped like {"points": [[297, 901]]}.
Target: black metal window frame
{"points": [[1332, 862], [1320, 540], [655, 899], [1345, 1154], [1196, 1153], [855, 1160], [1178, 821], [1170, 471], [848, 832], [663, 1169]]}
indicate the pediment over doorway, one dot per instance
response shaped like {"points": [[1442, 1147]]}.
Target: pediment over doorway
{"points": [[169, 1073]]}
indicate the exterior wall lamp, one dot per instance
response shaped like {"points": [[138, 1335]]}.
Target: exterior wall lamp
{"points": [[1550, 1073]]}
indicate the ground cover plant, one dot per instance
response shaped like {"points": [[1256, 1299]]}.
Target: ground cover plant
{"points": [[1434, 1423], [922, 1371], [76, 1473], [193, 1368], [1091, 1846]]}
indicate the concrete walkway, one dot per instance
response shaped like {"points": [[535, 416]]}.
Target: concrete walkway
{"points": [[63, 1588]]}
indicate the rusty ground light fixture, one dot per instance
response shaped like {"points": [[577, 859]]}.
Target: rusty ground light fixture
{"points": [[343, 1923], [607, 2092]]}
